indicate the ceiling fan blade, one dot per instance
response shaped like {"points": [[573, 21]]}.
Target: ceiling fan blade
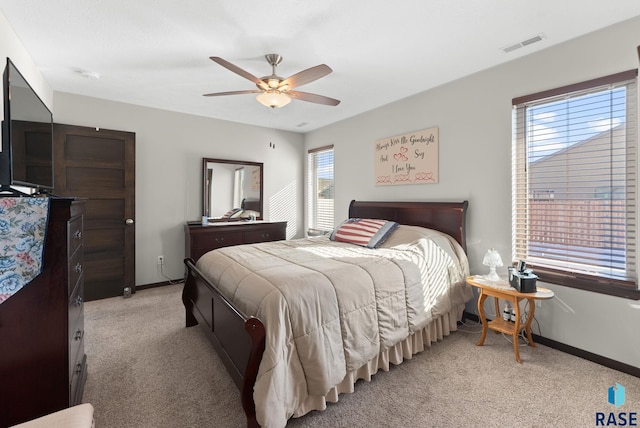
{"points": [[239, 71], [215, 94], [306, 76], [313, 98]]}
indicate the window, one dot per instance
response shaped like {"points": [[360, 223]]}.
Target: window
{"points": [[238, 185], [574, 184], [320, 190]]}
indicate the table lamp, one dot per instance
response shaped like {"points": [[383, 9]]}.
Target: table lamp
{"points": [[493, 260]]}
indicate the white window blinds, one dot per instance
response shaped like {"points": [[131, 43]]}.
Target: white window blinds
{"points": [[574, 180], [320, 189]]}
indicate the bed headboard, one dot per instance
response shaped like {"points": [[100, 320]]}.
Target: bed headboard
{"points": [[447, 217], [251, 204]]}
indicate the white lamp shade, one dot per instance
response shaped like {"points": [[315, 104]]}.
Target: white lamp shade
{"points": [[273, 99], [492, 259]]}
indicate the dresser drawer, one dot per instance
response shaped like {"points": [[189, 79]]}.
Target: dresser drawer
{"points": [[76, 303], [76, 266], [210, 241], [202, 239], [74, 235], [76, 344], [77, 379], [270, 234]]}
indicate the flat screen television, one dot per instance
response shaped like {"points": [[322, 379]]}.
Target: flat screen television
{"points": [[26, 159]]}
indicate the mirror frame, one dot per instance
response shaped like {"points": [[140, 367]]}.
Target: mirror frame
{"points": [[205, 196]]}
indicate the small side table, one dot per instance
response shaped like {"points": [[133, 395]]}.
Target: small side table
{"points": [[502, 290]]}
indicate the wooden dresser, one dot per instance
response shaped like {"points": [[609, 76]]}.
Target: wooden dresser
{"points": [[201, 239], [42, 359]]}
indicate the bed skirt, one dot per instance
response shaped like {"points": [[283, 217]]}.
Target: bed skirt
{"points": [[404, 350]]}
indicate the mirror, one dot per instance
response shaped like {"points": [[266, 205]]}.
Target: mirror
{"points": [[232, 190]]}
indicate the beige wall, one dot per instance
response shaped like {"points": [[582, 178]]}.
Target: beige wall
{"points": [[474, 119], [11, 47], [169, 151], [473, 115]]}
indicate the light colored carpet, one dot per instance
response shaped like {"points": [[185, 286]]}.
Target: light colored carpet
{"points": [[147, 370]]}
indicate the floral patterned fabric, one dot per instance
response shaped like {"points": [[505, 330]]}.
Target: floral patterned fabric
{"points": [[23, 225]]}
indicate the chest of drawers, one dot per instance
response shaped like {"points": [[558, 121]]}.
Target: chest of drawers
{"points": [[42, 359]]}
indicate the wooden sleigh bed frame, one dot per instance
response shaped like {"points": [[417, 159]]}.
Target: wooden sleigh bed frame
{"points": [[239, 339]]}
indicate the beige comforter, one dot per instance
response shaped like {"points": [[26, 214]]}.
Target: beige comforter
{"points": [[331, 307]]}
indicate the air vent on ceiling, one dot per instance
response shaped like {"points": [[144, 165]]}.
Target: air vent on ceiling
{"points": [[527, 42], [90, 75]]}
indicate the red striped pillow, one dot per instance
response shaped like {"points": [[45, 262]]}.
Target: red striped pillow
{"points": [[363, 231], [231, 212]]}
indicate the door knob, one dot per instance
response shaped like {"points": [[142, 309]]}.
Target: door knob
{"points": [[129, 221]]}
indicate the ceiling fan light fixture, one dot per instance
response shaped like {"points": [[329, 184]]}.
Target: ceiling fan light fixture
{"points": [[273, 99], [275, 91], [273, 83]]}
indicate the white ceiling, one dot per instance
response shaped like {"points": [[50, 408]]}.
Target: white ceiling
{"points": [[156, 52]]}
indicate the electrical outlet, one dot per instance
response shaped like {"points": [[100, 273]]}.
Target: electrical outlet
{"points": [[160, 260]]}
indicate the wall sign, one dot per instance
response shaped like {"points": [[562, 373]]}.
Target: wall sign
{"points": [[407, 159]]}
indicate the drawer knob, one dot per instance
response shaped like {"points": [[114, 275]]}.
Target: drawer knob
{"points": [[78, 234], [219, 239], [265, 235], [78, 268]]}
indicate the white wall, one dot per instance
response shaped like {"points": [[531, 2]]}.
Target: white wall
{"points": [[474, 120], [473, 115], [11, 47], [169, 151]]}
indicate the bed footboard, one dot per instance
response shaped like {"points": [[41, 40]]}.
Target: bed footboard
{"points": [[237, 338]]}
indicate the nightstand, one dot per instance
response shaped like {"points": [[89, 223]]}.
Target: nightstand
{"points": [[502, 290]]}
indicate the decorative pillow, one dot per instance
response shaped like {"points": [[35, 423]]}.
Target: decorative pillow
{"points": [[247, 213], [364, 231], [237, 213], [231, 212]]}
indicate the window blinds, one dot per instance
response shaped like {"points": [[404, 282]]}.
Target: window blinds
{"points": [[574, 179], [320, 189]]}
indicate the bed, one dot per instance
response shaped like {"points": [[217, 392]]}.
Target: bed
{"points": [[298, 322]]}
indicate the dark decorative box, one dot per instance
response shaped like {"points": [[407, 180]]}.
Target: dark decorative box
{"points": [[523, 281]]}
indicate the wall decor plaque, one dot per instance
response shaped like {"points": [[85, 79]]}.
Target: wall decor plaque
{"points": [[407, 159]]}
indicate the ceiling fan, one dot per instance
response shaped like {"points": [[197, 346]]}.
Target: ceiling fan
{"points": [[273, 90]]}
